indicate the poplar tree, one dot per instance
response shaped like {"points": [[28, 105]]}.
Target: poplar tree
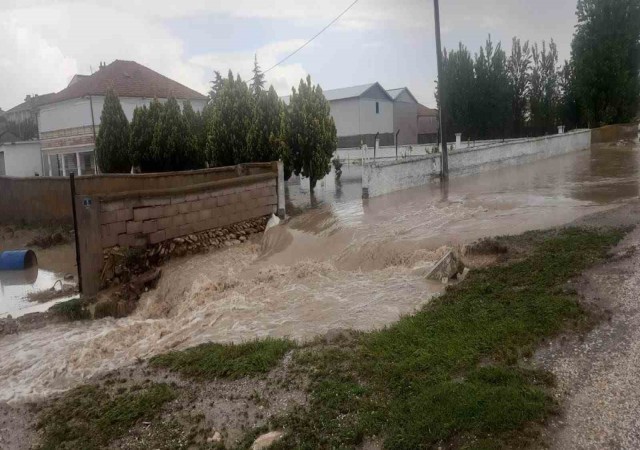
{"points": [[518, 69], [606, 60]]}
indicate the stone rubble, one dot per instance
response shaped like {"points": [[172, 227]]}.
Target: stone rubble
{"points": [[446, 268], [120, 264], [266, 440]]}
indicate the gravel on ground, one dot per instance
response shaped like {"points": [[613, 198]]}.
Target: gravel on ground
{"points": [[598, 375]]}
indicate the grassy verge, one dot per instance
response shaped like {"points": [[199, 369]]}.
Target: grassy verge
{"points": [[449, 375], [89, 417], [211, 361]]}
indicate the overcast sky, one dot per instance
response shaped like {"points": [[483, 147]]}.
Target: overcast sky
{"points": [[43, 43]]}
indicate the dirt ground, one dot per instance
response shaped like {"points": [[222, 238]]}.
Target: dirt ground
{"points": [[598, 375]]}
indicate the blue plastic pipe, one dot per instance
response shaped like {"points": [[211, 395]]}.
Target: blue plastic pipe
{"points": [[17, 259]]}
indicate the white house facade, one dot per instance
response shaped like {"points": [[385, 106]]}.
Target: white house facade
{"points": [[68, 124], [20, 159]]}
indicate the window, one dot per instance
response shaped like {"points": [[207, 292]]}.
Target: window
{"points": [[56, 166], [2, 168], [377, 108], [87, 163], [70, 163]]}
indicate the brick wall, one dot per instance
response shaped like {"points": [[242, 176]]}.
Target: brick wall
{"points": [[40, 200], [144, 218], [141, 219]]}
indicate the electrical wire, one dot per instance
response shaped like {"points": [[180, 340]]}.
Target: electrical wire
{"points": [[310, 40]]}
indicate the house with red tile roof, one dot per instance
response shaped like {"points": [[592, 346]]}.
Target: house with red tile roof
{"points": [[69, 120]]}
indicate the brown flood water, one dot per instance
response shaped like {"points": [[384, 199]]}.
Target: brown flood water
{"points": [[343, 264]]}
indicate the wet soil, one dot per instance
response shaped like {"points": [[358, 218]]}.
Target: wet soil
{"points": [[229, 408]]}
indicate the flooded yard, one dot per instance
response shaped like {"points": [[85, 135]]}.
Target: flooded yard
{"points": [[54, 270]]}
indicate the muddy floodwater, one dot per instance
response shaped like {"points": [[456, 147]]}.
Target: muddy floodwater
{"points": [[340, 262]]}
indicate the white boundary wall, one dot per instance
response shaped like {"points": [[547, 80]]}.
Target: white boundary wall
{"points": [[355, 154], [382, 177]]}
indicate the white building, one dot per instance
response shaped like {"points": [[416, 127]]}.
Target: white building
{"points": [[24, 116], [20, 159], [68, 123], [362, 112], [405, 115]]}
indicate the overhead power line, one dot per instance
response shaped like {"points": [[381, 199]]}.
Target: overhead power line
{"points": [[310, 40]]}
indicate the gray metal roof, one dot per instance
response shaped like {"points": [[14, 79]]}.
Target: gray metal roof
{"points": [[347, 92], [394, 93], [343, 93]]}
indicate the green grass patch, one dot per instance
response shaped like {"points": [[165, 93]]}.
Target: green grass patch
{"points": [[449, 375], [74, 309], [230, 361], [89, 417]]}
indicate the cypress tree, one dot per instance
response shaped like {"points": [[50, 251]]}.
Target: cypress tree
{"points": [[112, 141], [169, 144], [196, 138], [311, 131], [267, 126], [257, 82], [229, 124], [140, 137]]}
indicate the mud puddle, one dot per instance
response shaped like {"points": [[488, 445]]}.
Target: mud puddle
{"points": [[16, 286], [341, 264]]}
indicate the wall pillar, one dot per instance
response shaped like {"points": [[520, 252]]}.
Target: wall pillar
{"points": [[50, 167], [280, 186], [79, 169], [89, 242]]}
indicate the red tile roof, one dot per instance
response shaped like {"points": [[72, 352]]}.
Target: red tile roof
{"points": [[32, 102], [128, 79]]}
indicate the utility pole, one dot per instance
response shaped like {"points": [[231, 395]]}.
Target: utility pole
{"points": [[441, 94]]}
